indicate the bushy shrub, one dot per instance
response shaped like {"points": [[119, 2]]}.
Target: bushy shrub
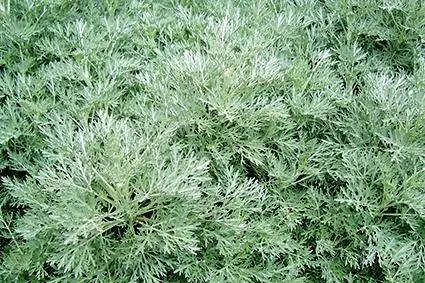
{"points": [[212, 141]]}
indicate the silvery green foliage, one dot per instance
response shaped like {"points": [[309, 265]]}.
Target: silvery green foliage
{"points": [[212, 141]]}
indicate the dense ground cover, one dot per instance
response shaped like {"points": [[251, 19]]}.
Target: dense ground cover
{"points": [[212, 141]]}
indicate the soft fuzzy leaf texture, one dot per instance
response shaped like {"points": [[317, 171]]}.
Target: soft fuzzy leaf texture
{"points": [[212, 141]]}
